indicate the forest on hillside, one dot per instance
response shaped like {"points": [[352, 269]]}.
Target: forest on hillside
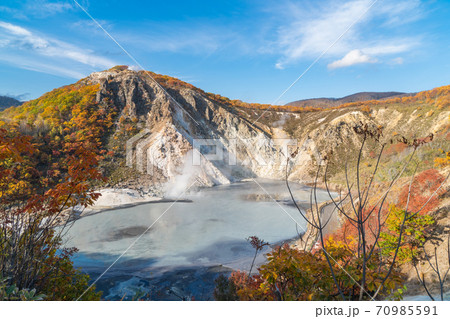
{"points": [[57, 151]]}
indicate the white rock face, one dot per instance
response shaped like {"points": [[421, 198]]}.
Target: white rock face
{"points": [[111, 197], [187, 122], [175, 127]]}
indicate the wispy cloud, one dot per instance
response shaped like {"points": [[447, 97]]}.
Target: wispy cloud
{"points": [[28, 50], [20, 97], [37, 8], [48, 68], [312, 29], [48, 8], [397, 61], [177, 40], [292, 31], [185, 37], [12, 12]]}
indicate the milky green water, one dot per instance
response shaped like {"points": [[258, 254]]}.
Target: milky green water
{"points": [[211, 230]]}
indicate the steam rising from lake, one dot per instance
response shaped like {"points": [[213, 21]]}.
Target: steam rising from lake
{"points": [[211, 230]]}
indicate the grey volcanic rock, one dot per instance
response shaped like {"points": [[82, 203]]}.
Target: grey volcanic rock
{"points": [[187, 118], [174, 127]]}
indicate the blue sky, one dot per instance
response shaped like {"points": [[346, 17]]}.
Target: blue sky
{"points": [[250, 49]]}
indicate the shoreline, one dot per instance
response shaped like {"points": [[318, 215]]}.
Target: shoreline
{"points": [[120, 198], [309, 239], [102, 209], [125, 198]]}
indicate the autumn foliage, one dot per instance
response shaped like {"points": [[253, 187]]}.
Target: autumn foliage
{"points": [[423, 187], [31, 205], [443, 161], [292, 274], [439, 97], [49, 157], [415, 233], [420, 200]]}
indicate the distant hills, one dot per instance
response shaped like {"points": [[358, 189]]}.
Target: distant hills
{"points": [[6, 101], [129, 112], [357, 97]]}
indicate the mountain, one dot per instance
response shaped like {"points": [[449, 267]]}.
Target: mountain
{"points": [[357, 97], [164, 130], [176, 117], [6, 101]]}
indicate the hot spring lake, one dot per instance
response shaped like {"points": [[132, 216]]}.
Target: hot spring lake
{"points": [[190, 244]]}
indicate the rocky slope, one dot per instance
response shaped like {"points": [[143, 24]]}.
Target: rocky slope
{"points": [[168, 135], [168, 130], [177, 124]]}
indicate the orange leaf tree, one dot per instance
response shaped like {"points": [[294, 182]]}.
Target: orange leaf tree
{"points": [[37, 187]]}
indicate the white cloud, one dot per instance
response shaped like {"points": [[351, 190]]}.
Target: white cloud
{"points": [[87, 25], [37, 8], [398, 61], [392, 46], [196, 38], [43, 67], [279, 66], [310, 28], [20, 97], [352, 58], [400, 12], [14, 29], [44, 53], [17, 14], [306, 37], [187, 37], [135, 68], [50, 8]]}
